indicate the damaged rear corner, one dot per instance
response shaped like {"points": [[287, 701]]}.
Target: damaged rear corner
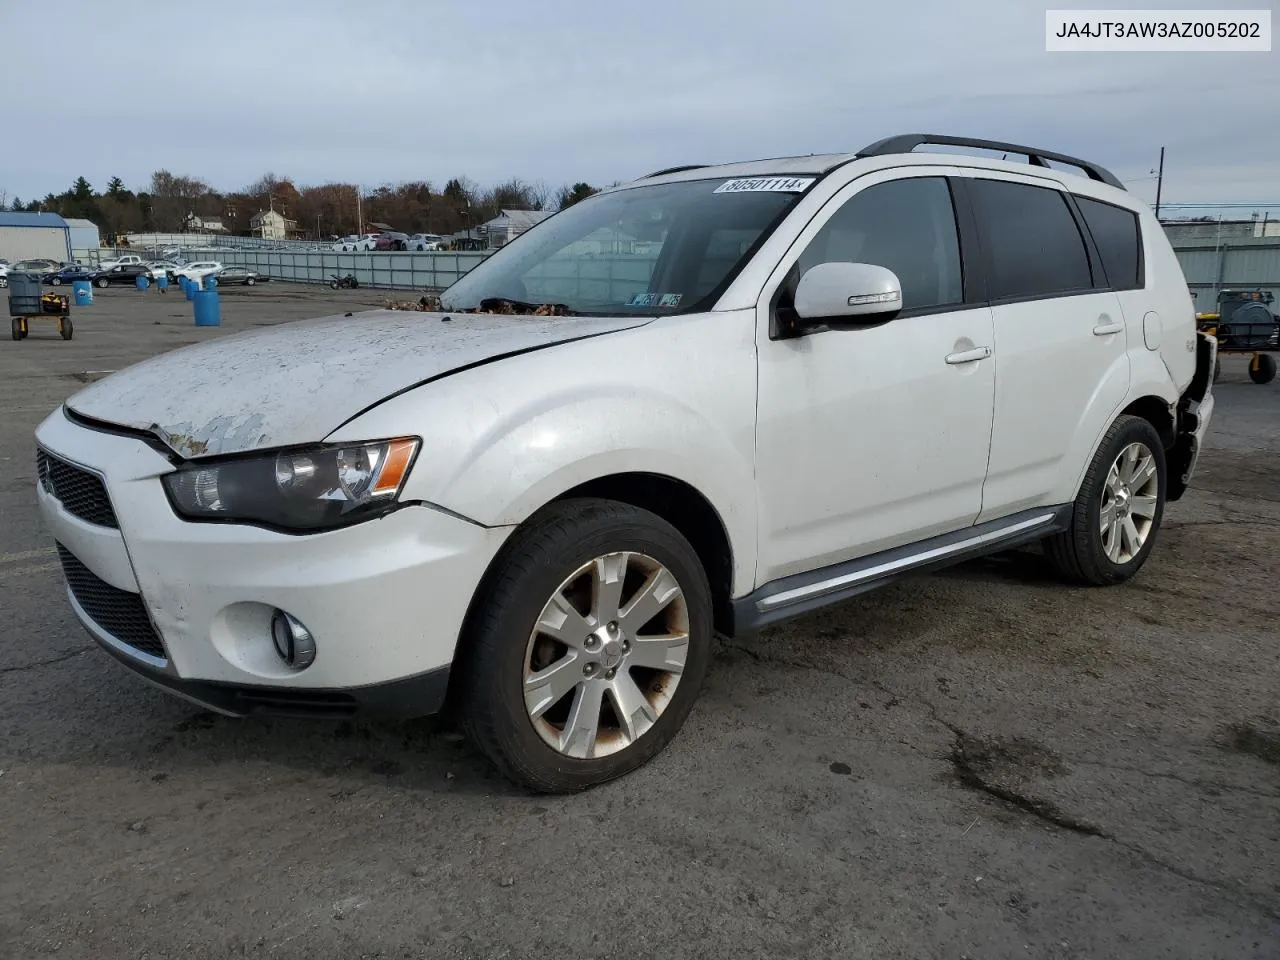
{"points": [[1195, 407]]}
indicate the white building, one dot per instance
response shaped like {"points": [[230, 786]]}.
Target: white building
{"points": [[509, 224], [204, 224], [271, 225], [85, 239], [26, 236]]}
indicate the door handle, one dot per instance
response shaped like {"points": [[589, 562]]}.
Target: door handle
{"points": [[1106, 329], [969, 356]]}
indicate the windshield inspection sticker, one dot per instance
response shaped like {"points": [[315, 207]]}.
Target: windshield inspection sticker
{"points": [[765, 184], [655, 299]]}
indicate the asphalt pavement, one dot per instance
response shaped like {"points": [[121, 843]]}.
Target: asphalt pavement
{"points": [[977, 764]]}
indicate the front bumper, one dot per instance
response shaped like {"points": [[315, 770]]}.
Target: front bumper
{"points": [[188, 605]]}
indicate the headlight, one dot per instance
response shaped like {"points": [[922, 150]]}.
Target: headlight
{"points": [[310, 489]]}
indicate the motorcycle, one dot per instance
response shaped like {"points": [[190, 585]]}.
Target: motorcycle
{"points": [[347, 282]]}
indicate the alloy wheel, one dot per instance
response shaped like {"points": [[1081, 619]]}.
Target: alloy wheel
{"points": [[606, 655], [1127, 513]]}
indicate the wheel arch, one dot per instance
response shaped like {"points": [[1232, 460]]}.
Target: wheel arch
{"points": [[685, 508], [1156, 411]]}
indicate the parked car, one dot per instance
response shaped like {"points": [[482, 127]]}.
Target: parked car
{"points": [[4, 273], [123, 260], [399, 241], [67, 274], [241, 275], [197, 270], [163, 268], [424, 241], [346, 244], [122, 274], [35, 265], [841, 370]]}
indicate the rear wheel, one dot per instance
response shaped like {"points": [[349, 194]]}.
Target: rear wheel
{"points": [[102, 283], [56, 281], [17, 328], [587, 647], [1263, 369], [66, 328], [1117, 513], [250, 281]]}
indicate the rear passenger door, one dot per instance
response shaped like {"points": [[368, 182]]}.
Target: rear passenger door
{"points": [[1061, 360]]}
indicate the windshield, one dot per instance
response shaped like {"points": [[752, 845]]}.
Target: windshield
{"points": [[660, 249]]}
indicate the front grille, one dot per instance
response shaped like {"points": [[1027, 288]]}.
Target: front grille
{"points": [[79, 491], [117, 612]]}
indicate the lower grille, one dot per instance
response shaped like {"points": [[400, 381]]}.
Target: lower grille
{"points": [[80, 492], [116, 612]]}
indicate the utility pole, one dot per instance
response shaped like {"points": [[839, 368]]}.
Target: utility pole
{"points": [[359, 211], [1159, 182]]}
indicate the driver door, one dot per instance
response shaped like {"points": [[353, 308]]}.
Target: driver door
{"points": [[874, 436]]}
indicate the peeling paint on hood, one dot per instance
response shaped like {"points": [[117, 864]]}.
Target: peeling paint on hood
{"points": [[297, 382]]}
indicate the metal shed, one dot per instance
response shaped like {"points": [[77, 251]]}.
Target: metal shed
{"points": [[85, 238], [27, 235]]}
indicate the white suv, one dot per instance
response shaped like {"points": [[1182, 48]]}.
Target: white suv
{"points": [[704, 401]]}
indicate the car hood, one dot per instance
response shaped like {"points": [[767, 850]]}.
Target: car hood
{"points": [[298, 382]]}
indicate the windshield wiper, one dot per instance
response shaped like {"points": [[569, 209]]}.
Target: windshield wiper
{"points": [[505, 305]]}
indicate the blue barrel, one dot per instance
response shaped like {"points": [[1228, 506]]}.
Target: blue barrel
{"points": [[208, 312], [189, 288], [141, 282], [82, 291], [162, 282]]}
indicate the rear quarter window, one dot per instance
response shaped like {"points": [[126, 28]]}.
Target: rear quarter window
{"points": [[1118, 237]]}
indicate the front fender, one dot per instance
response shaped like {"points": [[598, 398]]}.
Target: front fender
{"points": [[504, 439]]}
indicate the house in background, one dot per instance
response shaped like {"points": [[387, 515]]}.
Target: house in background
{"points": [[204, 224], [272, 225]]}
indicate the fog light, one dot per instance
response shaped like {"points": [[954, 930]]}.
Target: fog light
{"points": [[292, 640]]}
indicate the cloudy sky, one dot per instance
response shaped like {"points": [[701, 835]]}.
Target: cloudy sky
{"points": [[560, 90]]}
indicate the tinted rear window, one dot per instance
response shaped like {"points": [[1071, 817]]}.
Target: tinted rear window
{"points": [[1118, 239], [1036, 249]]}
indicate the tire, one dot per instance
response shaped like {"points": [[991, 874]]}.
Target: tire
{"points": [[501, 647], [66, 328], [1217, 369], [103, 283], [354, 283], [333, 284], [249, 281], [56, 281], [1080, 554], [15, 328], [1266, 371]]}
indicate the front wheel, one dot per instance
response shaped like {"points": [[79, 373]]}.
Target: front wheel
{"points": [[333, 284], [17, 328], [102, 283], [1263, 369], [250, 282], [56, 281], [587, 646], [1117, 513], [66, 328]]}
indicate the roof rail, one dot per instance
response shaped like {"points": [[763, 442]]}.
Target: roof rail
{"points": [[663, 173], [907, 142]]}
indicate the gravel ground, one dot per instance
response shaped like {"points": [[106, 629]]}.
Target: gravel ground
{"points": [[978, 764]]}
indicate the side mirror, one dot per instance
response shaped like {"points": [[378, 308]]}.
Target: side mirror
{"points": [[839, 290]]}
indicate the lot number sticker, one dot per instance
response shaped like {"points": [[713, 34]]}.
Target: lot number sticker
{"points": [[765, 185]]}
